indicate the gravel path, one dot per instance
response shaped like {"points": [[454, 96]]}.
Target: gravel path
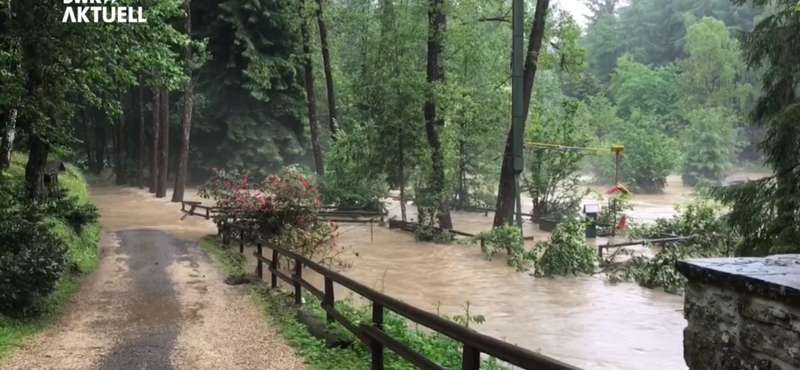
{"points": [[156, 302]]}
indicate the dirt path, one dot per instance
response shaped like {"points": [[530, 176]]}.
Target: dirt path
{"points": [[156, 302]]}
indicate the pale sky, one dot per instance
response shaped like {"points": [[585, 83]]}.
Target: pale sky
{"points": [[576, 8]]}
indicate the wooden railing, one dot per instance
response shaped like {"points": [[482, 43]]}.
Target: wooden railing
{"points": [[663, 241], [413, 226], [372, 334]]}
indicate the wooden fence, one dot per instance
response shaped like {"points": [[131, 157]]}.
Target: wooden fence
{"points": [[664, 241], [329, 213], [372, 334], [413, 226]]}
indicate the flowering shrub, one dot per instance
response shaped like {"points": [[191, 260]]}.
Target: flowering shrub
{"points": [[283, 208]]}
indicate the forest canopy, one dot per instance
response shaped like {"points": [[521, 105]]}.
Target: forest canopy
{"points": [[412, 95]]}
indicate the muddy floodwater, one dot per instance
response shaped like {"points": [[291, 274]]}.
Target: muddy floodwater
{"points": [[583, 321]]}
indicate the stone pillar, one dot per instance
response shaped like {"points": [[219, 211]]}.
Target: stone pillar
{"points": [[742, 313]]}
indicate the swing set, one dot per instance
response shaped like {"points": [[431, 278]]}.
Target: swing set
{"points": [[617, 188]]}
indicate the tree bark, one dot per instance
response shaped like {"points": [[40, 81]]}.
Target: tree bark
{"points": [[186, 119], [32, 61], [333, 115], [156, 109], [142, 142], [7, 140], [121, 152], [435, 74], [505, 190], [87, 144], [100, 143], [163, 146], [38, 151], [310, 98]]}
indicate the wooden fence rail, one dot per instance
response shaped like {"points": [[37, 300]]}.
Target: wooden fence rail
{"points": [[413, 226], [372, 334]]}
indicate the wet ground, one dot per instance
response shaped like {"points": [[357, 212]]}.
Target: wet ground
{"points": [[195, 321]]}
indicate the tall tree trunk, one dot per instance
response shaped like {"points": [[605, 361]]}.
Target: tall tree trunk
{"points": [[186, 119], [121, 170], [142, 144], [163, 146], [99, 142], [333, 115], [87, 144], [32, 57], [156, 109], [401, 175], [435, 73], [310, 98], [38, 151], [505, 190], [9, 132]]}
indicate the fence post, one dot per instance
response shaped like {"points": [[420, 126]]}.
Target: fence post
{"points": [[298, 292], [371, 239], [328, 298], [375, 346], [471, 358], [242, 235], [259, 264], [274, 266]]}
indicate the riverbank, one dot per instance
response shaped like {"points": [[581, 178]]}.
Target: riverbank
{"points": [[81, 249], [318, 356]]}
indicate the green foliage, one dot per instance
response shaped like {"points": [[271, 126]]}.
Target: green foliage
{"points": [[427, 233], [40, 254], [566, 253], [440, 349], [252, 85], [508, 238], [637, 87], [708, 146], [352, 176], [765, 211], [711, 236], [72, 210], [31, 261], [648, 159], [551, 178]]}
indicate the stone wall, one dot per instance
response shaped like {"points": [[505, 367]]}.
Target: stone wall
{"points": [[742, 313]]}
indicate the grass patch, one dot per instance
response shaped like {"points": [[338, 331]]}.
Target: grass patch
{"points": [[82, 255], [232, 262], [439, 348]]}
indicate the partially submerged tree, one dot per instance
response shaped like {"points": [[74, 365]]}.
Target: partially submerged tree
{"points": [[505, 190]]}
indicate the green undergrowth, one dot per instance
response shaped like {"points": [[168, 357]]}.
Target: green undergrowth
{"points": [[73, 223], [439, 348]]}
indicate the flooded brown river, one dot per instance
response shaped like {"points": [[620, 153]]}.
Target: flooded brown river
{"points": [[583, 321]]}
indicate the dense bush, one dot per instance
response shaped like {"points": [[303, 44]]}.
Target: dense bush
{"points": [[566, 253], [31, 260], [38, 241]]}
